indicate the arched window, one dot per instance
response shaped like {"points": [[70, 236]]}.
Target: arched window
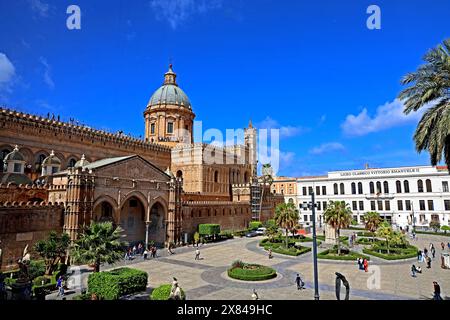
{"points": [[428, 185], [335, 186], [406, 186], [342, 188], [372, 187], [353, 188], [216, 176], [386, 187], [291, 200], [246, 177], [72, 163], [179, 174], [360, 188], [398, 185], [419, 185], [378, 187]]}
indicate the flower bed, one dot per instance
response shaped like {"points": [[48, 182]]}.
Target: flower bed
{"points": [[279, 247], [331, 254], [163, 293], [394, 253], [250, 272]]}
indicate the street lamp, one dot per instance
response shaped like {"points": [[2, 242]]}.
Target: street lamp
{"points": [[312, 205]]}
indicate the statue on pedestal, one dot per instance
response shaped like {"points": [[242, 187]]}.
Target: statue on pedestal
{"points": [[330, 235], [21, 290]]}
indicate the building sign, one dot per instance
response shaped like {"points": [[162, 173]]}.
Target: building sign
{"points": [[379, 172]]}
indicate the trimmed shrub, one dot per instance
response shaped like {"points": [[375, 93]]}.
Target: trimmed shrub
{"points": [[240, 233], [251, 272], [208, 229], [434, 233], [163, 293], [36, 268], [38, 280], [253, 225], [114, 284], [394, 253], [365, 234], [10, 281]]}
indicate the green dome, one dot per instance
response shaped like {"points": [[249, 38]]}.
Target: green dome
{"points": [[51, 160], [14, 155], [169, 93]]}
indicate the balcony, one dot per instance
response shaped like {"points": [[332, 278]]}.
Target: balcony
{"points": [[379, 196]]}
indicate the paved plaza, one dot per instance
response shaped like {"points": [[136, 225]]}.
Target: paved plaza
{"points": [[206, 279]]}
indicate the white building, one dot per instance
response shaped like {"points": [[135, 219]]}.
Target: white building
{"points": [[398, 194]]}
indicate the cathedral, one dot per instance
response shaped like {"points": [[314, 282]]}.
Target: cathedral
{"points": [[58, 175]]}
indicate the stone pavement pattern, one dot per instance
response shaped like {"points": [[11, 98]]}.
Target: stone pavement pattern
{"points": [[206, 279]]}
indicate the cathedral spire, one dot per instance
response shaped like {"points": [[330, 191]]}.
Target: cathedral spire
{"points": [[170, 76]]}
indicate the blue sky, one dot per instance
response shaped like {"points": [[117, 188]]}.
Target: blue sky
{"points": [[311, 68]]}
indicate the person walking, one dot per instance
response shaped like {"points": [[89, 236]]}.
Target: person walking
{"points": [[442, 246], [413, 271], [270, 253], [437, 291], [145, 254], [428, 262], [134, 250], [366, 265], [60, 286], [419, 255], [433, 252], [255, 295], [197, 254], [299, 282]]}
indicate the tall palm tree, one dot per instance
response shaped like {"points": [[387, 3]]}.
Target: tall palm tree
{"points": [[338, 215], [98, 244], [286, 216], [372, 221], [430, 87]]}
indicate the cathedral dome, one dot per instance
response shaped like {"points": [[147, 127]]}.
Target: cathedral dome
{"points": [[81, 163], [169, 93]]}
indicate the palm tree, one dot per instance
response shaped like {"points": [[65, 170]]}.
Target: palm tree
{"points": [[286, 216], [372, 220], [385, 231], [98, 244], [338, 215], [430, 87]]}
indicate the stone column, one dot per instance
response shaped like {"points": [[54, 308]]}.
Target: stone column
{"points": [[330, 235]]}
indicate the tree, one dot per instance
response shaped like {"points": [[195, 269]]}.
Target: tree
{"points": [[430, 88], [286, 217], [385, 231], [338, 215], [271, 232], [435, 225], [372, 221], [52, 250], [99, 243]]}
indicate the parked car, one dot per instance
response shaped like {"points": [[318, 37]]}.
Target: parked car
{"points": [[261, 231], [251, 234]]}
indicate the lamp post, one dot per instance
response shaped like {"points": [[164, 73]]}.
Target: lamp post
{"points": [[413, 218], [312, 206]]}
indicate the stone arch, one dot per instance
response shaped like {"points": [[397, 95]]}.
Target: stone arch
{"points": [[97, 210], [157, 231], [246, 177], [39, 156], [133, 217]]}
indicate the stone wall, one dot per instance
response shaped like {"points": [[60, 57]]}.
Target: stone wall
{"points": [[22, 193], [22, 225]]}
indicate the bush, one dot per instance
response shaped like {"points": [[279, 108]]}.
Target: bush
{"points": [[251, 272], [394, 253], [365, 234], [40, 291], [163, 293], [292, 251], [38, 280], [241, 233], [114, 284], [10, 281], [253, 225], [208, 229]]}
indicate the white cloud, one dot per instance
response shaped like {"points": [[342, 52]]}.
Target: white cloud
{"points": [[40, 7], [7, 72], [387, 116], [176, 12], [47, 73], [285, 131], [327, 147]]}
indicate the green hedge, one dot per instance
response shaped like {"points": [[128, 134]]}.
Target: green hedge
{"points": [[116, 283], [253, 225], [279, 247], [395, 253], [365, 234], [208, 229], [258, 274], [163, 293], [351, 256], [240, 233], [434, 233]]}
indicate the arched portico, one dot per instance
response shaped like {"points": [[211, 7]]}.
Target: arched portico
{"points": [[133, 218], [105, 209], [157, 231]]}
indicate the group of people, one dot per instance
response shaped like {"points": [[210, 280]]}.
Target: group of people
{"points": [[424, 256], [139, 250], [363, 264]]}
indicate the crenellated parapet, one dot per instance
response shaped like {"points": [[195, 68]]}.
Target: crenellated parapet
{"points": [[30, 204], [11, 117]]}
